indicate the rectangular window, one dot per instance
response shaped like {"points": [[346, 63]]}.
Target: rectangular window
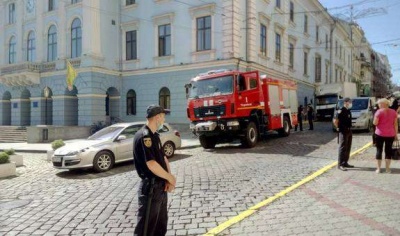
{"points": [[291, 11], [305, 63], [340, 52], [317, 69], [326, 41], [317, 33], [291, 55], [263, 39], [131, 45], [327, 72], [336, 75], [203, 33], [336, 48], [164, 40], [12, 53], [278, 3], [305, 24], [51, 5], [130, 2], [11, 13], [278, 47], [75, 1]]}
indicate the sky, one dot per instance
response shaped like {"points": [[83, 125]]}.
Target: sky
{"points": [[382, 29]]}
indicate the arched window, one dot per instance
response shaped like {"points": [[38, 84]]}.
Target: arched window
{"points": [[52, 44], [31, 47], [12, 54], [131, 102], [76, 38], [165, 98]]}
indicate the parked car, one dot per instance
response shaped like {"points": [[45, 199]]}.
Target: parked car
{"points": [[108, 146]]}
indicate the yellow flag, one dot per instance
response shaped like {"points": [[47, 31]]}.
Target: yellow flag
{"points": [[71, 75]]}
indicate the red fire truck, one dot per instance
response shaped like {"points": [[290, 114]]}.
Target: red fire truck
{"points": [[224, 105]]}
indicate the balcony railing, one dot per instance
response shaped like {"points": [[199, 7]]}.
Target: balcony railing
{"points": [[22, 67]]}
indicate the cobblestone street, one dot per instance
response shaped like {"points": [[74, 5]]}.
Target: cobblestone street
{"points": [[213, 185]]}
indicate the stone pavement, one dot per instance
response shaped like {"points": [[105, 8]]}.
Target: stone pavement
{"points": [[212, 186], [356, 202]]}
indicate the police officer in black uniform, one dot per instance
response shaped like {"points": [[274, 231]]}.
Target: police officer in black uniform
{"points": [[342, 122], [155, 173]]}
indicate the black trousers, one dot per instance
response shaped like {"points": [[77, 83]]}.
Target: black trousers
{"points": [[388, 141], [310, 122], [158, 214], [300, 121], [345, 139]]}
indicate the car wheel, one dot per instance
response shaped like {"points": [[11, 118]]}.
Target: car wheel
{"points": [[169, 149], [103, 161]]}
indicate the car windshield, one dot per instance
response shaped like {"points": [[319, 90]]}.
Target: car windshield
{"points": [[211, 87], [326, 100], [106, 133], [358, 104]]}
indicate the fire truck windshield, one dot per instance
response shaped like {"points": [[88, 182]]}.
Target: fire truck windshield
{"points": [[211, 87]]}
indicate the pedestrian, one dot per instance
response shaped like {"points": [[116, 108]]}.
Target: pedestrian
{"points": [[156, 179], [342, 123], [310, 116], [385, 120], [299, 118]]}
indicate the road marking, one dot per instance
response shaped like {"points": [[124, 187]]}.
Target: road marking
{"points": [[255, 208]]}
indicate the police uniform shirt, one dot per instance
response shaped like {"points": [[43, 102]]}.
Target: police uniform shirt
{"points": [[147, 147], [344, 118]]}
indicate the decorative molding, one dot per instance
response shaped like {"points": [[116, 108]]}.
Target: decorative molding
{"points": [[91, 96], [204, 10], [264, 18], [164, 19]]}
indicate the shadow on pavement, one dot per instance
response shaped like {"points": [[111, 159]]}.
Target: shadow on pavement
{"points": [[372, 170]]}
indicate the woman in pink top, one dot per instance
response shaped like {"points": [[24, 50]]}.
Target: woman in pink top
{"points": [[385, 120]]}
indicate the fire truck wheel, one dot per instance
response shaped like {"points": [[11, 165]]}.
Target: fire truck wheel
{"points": [[251, 135], [207, 142], [285, 131]]}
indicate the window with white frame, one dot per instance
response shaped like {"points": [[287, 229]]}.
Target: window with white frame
{"points": [[277, 47], [52, 43], [326, 41], [203, 33], [327, 71], [165, 98], [12, 53], [291, 55], [291, 11], [305, 24], [305, 62], [278, 3], [11, 13], [76, 38], [131, 45], [318, 68], [317, 33], [31, 46], [263, 39], [51, 5], [130, 2], [75, 1], [164, 40]]}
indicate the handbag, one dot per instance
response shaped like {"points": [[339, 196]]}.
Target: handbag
{"points": [[396, 150]]}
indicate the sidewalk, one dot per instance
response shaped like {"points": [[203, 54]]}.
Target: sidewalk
{"points": [[188, 141], [354, 202]]}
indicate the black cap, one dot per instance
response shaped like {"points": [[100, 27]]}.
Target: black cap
{"points": [[154, 110], [347, 99]]}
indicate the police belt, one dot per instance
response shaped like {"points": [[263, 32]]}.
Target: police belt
{"points": [[153, 180], [344, 129]]}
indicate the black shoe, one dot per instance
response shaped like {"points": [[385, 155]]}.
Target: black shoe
{"points": [[348, 166], [342, 168]]}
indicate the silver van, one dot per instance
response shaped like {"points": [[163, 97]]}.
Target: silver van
{"points": [[361, 112]]}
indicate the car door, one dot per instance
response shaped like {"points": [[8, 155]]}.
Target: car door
{"points": [[124, 148]]}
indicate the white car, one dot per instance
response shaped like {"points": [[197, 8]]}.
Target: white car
{"points": [[108, 146]]}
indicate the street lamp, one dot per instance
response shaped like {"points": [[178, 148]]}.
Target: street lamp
{"points": [[46, 92]]}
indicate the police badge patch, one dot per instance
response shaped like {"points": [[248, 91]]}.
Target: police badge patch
{"points": [[147, 142]]}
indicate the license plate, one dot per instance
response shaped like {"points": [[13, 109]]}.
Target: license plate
{"points": [[56, 159]]}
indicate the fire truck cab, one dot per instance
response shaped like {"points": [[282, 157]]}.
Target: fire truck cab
{"points": [[224, 105]]}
